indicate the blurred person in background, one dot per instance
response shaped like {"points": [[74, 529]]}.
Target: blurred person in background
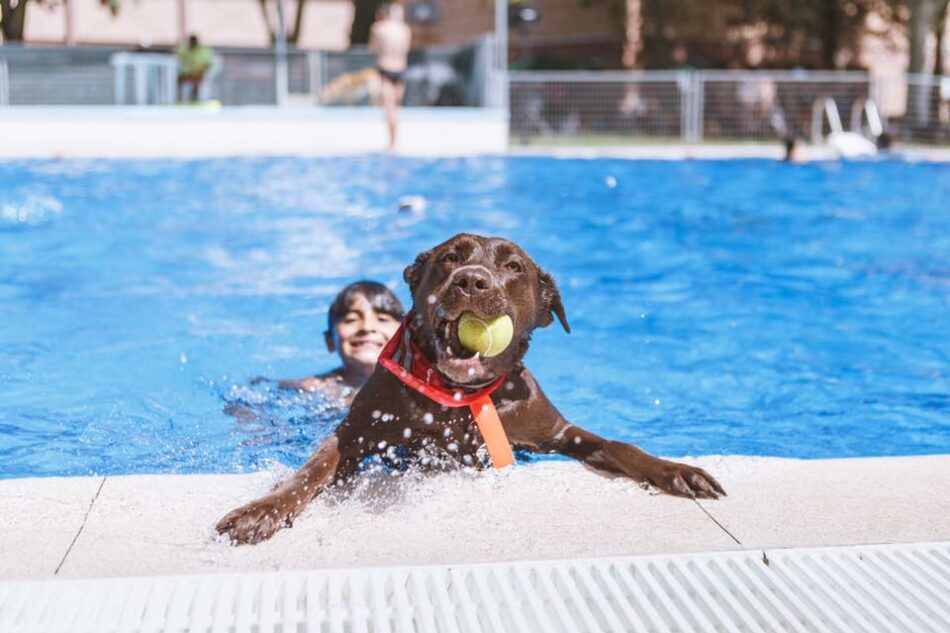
{"points": [[389, 40], [792, 144], [194, 60]]}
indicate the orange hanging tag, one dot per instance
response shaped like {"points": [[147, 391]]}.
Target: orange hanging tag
{"points": [[486, 417]]}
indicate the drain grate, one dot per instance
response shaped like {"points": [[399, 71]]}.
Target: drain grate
{"points": [[898, 588]]}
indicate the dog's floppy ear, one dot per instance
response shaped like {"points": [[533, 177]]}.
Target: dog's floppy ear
{"points": [[551, 302], [413, 273]]}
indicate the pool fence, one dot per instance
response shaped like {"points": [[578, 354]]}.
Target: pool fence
{"points": [[545, 107], [42, 76], [692, 107]]}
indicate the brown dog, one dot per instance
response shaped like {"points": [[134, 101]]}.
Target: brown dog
{"points": [[391, 417]]}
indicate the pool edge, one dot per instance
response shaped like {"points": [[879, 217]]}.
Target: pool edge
{"points": [[143, 525]]}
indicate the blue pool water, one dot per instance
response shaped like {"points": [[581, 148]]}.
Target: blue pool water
{"points": [[718, 307]]}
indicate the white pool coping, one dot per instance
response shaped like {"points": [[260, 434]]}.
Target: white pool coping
{"points": [[718, 151], [194, 132], [145, 525]]}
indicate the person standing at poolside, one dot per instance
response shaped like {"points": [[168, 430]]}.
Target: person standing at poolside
{"points": [[389, 40], [194, 60]]}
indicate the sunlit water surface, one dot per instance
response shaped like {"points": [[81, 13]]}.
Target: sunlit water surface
{"points": [[718, 307]]}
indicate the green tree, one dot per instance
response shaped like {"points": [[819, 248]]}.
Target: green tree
{"points": [[810, 33], [924, 17], [940, 29], [293, 33], [13, 15], [364, 14], [12, 19]]}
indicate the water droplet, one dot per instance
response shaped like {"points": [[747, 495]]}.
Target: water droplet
{"points": [[509, 385], [577, 439], [447, 432], [457, 395], [183, 358], [610, 181], [381, 445], [657, 402], [407, 432], [377, 413], [431, 299], [427, 418], [452, 447]]}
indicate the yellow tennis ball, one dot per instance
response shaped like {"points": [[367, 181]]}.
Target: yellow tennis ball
{"points": [[489, 336]]}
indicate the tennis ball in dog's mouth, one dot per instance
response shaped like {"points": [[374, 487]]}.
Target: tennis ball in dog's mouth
{"points": [[488, 336]]}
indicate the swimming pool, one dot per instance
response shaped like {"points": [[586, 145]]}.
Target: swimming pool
{"points": [[744, 307]]}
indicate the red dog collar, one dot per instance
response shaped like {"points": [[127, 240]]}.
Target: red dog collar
{"points": [[409, 364]]}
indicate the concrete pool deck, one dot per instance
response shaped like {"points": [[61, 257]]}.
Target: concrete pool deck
{"points": [[184, 132], [143, 525]]}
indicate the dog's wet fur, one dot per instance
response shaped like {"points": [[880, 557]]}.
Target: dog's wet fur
{"points": [[390, 421]]}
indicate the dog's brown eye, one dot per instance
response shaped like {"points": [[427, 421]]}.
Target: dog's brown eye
{"points": [[514, 267], [450, 258]]}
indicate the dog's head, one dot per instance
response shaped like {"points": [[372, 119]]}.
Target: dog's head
{"points": [[488, 276]]}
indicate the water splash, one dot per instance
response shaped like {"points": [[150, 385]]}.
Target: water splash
{"points": [[33, 210]]}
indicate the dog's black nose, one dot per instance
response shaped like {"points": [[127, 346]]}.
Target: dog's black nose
{"points": [[472, 281]]}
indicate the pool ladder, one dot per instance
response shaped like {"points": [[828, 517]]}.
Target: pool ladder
{"points": [[848, 144]]}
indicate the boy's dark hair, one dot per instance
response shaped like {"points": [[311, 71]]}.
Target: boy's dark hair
{"points": [[379, 296]]}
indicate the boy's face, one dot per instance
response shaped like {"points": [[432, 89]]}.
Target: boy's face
{"points": [[363, 332]]}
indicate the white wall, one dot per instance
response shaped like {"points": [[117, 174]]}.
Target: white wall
{"points": [[180, 131], [217, 22]]}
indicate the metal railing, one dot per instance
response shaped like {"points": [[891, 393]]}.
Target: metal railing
{"points": [[602, 104], [734, 106], [583, 107], [4, 84], [927, 119], [444, 75], [758, 106]]}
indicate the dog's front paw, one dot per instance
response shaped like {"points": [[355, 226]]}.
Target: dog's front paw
{"points": [[257, 521], [685, 481]]}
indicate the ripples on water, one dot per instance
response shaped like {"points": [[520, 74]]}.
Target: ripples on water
{"points": [[717, 306]]}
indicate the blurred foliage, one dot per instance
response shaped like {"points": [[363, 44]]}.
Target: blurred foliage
{"points": [[816, 34], [819, 34], [364, 14], [12, 19], [13, 15], [762, 33]]}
